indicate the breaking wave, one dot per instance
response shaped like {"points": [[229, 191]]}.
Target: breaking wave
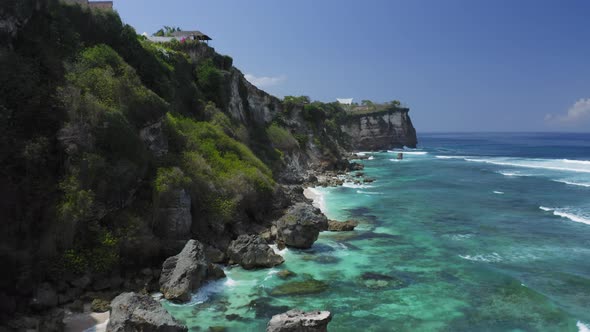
{"points": [[564, 213]]}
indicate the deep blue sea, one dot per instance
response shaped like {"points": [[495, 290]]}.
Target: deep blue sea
{"points": [[469, 232]]}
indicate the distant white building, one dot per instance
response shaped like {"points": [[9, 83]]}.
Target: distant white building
{"points": [[344, 101]]}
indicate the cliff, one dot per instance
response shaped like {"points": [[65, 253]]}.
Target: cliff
{"points": [[391, 128], [117, 150]]}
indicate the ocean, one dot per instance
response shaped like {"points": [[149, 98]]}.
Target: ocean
{"points": [[469, 232]]}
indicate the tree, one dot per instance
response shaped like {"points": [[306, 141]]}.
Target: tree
{"points": [[395, 103], [166, 31]]}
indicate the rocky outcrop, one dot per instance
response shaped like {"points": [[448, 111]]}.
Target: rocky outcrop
{"points": [[342, 226], [300, 321], [381, 130], [251, 251], [301, 225], [174, 220], [154, 139], [185, 272], [135, 312]]}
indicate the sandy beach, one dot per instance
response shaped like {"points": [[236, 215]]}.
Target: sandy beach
{"points": [[317, 197], [86, 321]]}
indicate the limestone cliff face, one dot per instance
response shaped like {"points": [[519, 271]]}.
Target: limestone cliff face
{"points": [[381, 130]]}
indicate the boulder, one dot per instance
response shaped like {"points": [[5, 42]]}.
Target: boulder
{"points": [[300, 321], [251, 251], [342, 226], [185, 272], [135, 312], [301, 225]]}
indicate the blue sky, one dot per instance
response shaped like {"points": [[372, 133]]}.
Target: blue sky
{"points": [[486, 65]]}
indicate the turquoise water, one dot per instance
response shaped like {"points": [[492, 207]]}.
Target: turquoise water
{"points": [[468, 233]]}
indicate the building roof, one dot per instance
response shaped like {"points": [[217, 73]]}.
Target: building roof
{"points": [[197, 34], [344, 101]]}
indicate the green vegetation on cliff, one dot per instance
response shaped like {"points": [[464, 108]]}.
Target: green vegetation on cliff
{"points": [[101, 129]]}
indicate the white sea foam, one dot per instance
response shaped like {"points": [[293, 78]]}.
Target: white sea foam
{"points": [[356, 186], [459, 237], [98, 327], [572, 183], [277, 251], [581, 162], [549, 164], [488, 258], [565, 213], [369, 192], [450, 157], [507, 173], [317, 196], [498, 192], [205, 291], [408, 152], [582, 327], [371, 158]]}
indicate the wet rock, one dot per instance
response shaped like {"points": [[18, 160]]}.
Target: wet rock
{"points": [[135, 312], [310, 286], [342, 226], [251, 251], [185, 272], [301, 225], [322, 259], [217, 328], [300, 321], [368, 180], [263, 308], [356, 166], [286, 274]]}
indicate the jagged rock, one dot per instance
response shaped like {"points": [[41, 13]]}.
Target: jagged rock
{"points": [[356, 167], [342, 226], [135, 312], [300, 321], [301, 225], [251, 251], [368, 180], [45, 297], [185, 272], [154, 138], [174, 219], [214, 255]]}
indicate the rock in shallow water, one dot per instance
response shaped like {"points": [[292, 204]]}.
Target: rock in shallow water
{"points": [[310, 286], [185, 272], [301, 225], [135, 312], [300, 321], [342, 226], [251, 251]]}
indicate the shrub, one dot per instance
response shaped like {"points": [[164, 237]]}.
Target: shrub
{"points": [[281, 138]]}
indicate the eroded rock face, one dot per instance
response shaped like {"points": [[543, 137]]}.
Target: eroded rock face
{"points": [[301, 225], [135, 312], [174, 217], [185, 272], [154, 138], [381, 130], [251, 251], [300, 321]]}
